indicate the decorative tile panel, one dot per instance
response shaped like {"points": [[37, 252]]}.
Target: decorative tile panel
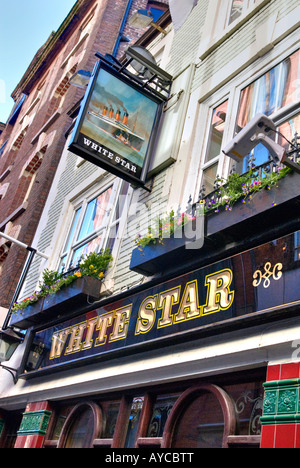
{"points": [[270, 402], [287, 401], [34, 423], [281, 402]]}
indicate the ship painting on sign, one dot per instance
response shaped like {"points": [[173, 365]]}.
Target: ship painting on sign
{"points": [[119, 118], [111, 123]]}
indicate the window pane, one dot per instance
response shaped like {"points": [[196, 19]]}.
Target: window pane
{"points": [[72, 231], [92, 246], [95, 214], [134, 419], [121, 201], [60, 421], [236, 10], [81, 432], [201, 425], [111, 410], [289, 129], [209, 177], [161, 411], [271, 92], [248, 402], [217, 131]]}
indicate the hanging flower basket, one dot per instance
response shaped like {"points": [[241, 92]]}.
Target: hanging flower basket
{"points": [[63, 294], [252, 213], [81, 292]]}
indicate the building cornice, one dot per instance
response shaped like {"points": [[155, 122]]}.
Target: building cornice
{"points": [[55, 42]]}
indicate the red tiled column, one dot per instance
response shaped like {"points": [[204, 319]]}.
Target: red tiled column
{"points": [[281, 416], [33, 427]]}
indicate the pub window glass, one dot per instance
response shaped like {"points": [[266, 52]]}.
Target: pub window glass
{"points": [[248, 403], [160, 413], [134, 419], [201, 425], [80, 434], [111, 411]]}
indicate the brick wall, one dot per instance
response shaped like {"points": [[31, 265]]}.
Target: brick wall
{"points": [[47, 125]]}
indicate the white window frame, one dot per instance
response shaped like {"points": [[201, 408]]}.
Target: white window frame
{"points": [[247, 5], [280, 116], [207, 110], [217, 26], [232, 92], [82, 202]]}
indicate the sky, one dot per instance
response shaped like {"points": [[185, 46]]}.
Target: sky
{"points": [[25, 25]]}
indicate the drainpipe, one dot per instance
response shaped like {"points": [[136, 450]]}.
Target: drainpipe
{"points": [[126, 14], [32, 253]]}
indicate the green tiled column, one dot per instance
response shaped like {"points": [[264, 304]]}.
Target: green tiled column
{"points": [[34, 423], [281, 402]]}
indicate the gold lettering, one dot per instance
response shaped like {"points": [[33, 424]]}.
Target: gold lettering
{"points": [[147, 315], [122, 317], [104, 321], [58, 343], [76, 337], [189, 307], [166, 301], [90, 330], [219, 295]]}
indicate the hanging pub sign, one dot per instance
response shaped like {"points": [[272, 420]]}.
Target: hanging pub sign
{"points": [[117, 124]]}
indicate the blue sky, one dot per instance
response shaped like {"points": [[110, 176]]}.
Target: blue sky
{"points": [[25, 25]]}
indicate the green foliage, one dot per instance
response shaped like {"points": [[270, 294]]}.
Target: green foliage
{"points": [[94, 264], [236, 188]]}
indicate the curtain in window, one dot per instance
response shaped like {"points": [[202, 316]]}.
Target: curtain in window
{"points": [[270, 92]]}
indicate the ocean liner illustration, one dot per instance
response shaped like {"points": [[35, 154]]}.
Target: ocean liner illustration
{"points": [[117, 127]]}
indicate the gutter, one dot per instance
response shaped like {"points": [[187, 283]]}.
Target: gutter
{"points": [[125, 17]]}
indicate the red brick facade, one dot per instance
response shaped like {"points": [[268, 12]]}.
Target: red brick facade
{"points": [[37, 138]]}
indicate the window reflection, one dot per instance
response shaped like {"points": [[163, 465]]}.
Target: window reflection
{"points": [[236, 10], [81, 432], [134, 418], [160, 413], [217, 131], [201, 425], [209, 177], [268, 94]]}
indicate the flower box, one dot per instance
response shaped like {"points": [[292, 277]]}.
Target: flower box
{"points": [[269, 214], [67, 300]]}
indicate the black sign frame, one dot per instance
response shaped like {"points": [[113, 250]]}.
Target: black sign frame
{"points": [[94, 150]]}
